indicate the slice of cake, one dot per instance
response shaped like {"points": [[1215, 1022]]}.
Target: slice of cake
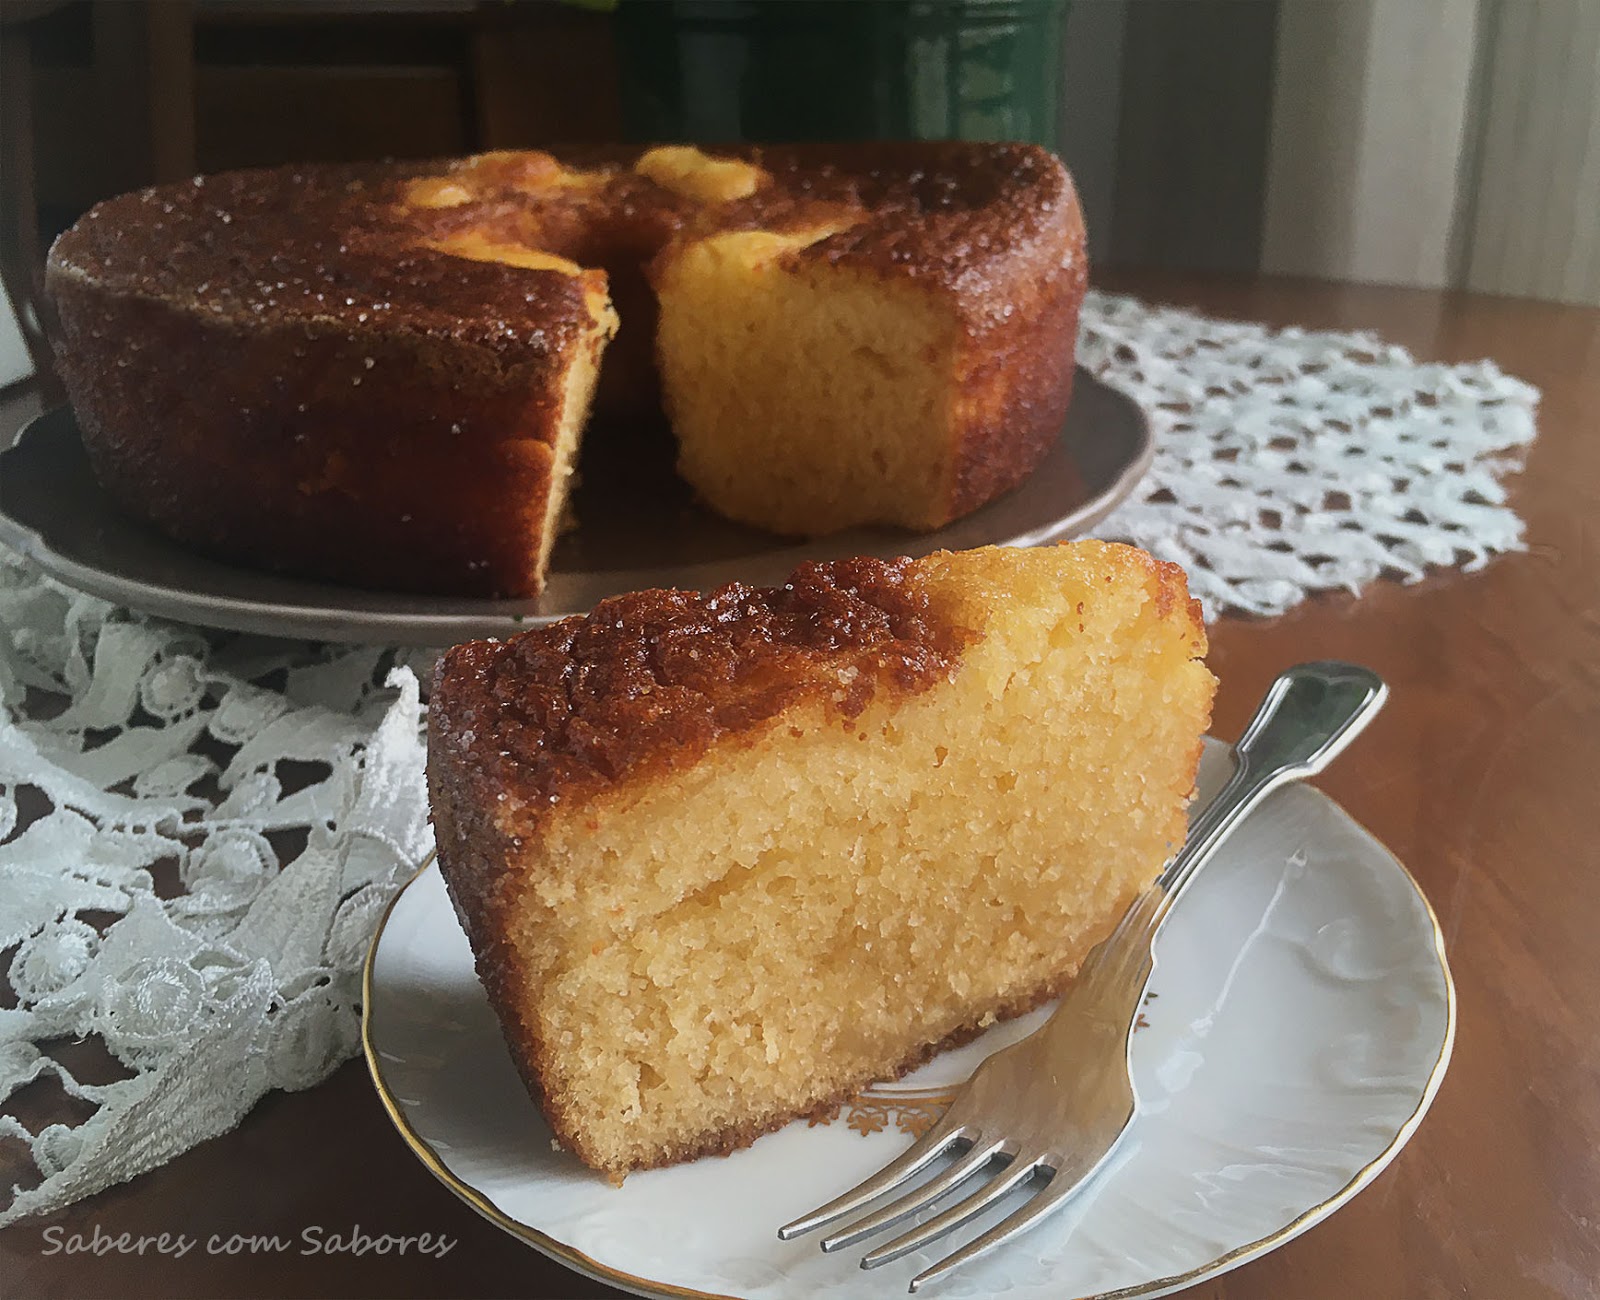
{"points": [[724, 859]]}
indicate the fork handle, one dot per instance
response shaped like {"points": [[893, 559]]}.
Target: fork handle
{"points": [[1307, 717]]}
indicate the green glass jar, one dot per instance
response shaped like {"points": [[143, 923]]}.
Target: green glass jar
{"points": [[711, 71]]}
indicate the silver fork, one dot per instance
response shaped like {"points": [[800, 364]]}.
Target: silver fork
{"points": [[1054, 1106]]}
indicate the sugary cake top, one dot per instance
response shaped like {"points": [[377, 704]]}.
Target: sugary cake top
{"points": [[358, 246], [650, 680], [320, 245], [981, 219]]}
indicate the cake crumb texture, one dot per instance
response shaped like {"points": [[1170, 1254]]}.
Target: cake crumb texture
{"points": [[725, 859]]}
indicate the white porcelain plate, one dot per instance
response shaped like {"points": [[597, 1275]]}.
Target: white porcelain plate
{"points": [[1300, 1019]]}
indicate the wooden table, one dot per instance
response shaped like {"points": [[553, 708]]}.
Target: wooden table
{"points": [[1483, 775]]}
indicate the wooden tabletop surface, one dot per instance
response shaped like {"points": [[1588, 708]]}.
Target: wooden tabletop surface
{"points": [[1483, 775]]}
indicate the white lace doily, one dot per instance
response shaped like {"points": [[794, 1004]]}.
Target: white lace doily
{"points": [[1293, 461], [199, 831]]}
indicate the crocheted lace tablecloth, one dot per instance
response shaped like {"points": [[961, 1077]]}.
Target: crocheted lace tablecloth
{"points": [[198, 831]]}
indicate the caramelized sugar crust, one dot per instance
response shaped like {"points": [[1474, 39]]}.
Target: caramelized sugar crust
{"points": [[322, 245], [341, 243], [266, 366], [651, 680]]}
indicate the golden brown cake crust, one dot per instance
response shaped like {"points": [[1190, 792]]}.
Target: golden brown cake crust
{"points": [[370, 468], [940, 212], [336, 244], [651, 680], [289, 238], [325, 244], [265, 368], [272, 365]]}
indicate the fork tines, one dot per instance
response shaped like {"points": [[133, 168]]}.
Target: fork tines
{"points": [[974, 1153]]}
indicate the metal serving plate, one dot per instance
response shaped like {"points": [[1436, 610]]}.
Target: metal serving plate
{"points": [[631, 534]]}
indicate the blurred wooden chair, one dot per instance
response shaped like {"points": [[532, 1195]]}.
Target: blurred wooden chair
{"points": [[131, 108]]}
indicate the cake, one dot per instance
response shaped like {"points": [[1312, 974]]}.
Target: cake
{"points": [[724, 859], [380, 374]]}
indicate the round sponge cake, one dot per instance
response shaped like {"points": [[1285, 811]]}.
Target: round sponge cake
{"points": [[380, 374]]}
